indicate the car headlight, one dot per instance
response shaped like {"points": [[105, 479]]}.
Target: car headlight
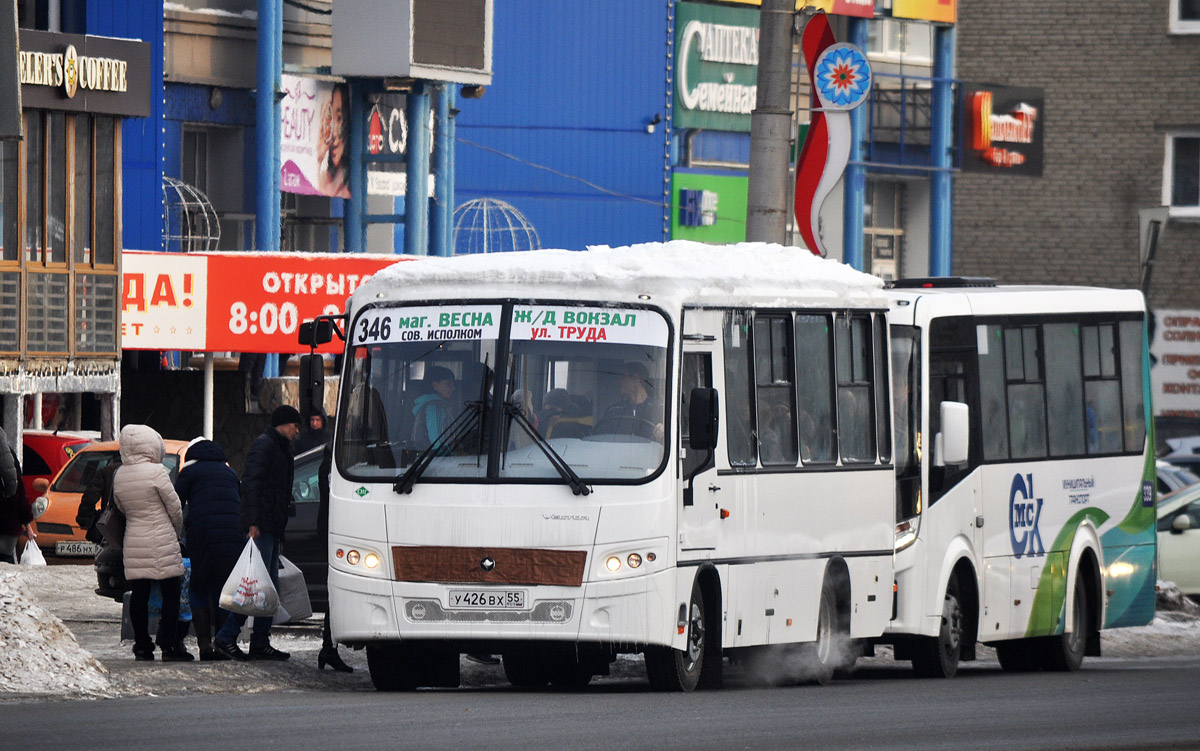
{"points": [[39, 506]]}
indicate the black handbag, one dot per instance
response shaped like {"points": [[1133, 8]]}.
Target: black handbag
{"points": [[111, 524]]}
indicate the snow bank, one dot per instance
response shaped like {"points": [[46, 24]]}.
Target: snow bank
{"points": [[38, 654], [679, 269]]}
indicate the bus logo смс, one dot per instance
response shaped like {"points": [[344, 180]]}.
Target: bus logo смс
{"points": [[1024, 515]]}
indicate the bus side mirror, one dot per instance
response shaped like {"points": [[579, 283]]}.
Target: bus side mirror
{"points": [[1182, 523], [953, 441], [312, 385], [704, 416], [315, 333]]}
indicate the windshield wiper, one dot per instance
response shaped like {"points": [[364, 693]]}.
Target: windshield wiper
{"points": [[458, 429], [515, 413]]}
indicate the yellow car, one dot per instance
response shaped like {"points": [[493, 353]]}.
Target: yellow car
{"points": [[57, 506]]}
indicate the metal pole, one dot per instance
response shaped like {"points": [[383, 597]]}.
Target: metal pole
{"points": [[277, 126], [208, 395], [771, 126], [265, 235], [854, 189], [416, 198], [353, 223], [941, 139], [441, 208]]}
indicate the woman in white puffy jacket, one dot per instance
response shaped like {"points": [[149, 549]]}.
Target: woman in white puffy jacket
{"points": [[143, 492]]}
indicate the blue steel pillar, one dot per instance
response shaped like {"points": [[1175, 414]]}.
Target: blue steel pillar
{"points": [[941, 141], [355, 224], [855, 187], [441, 212], [266, 121], [416, 203]]}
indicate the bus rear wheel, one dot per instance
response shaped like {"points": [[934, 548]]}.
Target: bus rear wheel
{"points": [[1064, 652], [937, 656], [679, 670]]}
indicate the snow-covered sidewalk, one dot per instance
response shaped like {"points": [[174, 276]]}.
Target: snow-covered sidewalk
{"points": [[59, 640]]}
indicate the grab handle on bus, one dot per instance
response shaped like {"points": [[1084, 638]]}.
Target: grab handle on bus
{"points": [[952, 443]]}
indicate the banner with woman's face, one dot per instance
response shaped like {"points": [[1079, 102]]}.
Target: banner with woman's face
{"points": [[315, 140]]}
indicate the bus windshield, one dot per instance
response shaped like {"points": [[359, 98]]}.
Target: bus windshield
{"points": [[584, 385]]}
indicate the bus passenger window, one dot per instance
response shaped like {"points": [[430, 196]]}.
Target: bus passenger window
{"points": [[1102, 394], [739, 401], [1132, 401], [856, 424], [814, 374], [1026, 393], [1064, 388], [993, 411], [775, 390]]}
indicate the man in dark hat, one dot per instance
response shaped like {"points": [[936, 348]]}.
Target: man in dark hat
{"points": [[266, 495]]}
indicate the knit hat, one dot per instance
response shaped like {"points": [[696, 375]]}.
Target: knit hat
{"points": [[284, 415]]}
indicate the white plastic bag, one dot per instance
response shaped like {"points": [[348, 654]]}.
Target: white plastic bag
{"points": [[249, 590], [32, 555]]}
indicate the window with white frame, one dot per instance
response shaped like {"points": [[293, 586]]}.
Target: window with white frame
{"points": [[892, 39], [1181, 174], [1185, 16]]}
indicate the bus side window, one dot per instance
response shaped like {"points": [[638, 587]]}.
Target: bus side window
{"points": [[952, 356], [775, 390], [856, 422], [814, 373], [1102, 390], [739, 398], [1064, 388], [697, 373], [1026, 393], [1132, 401], [992, 402]]}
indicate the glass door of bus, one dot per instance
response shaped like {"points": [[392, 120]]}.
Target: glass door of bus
{"points": [[699, 486]]}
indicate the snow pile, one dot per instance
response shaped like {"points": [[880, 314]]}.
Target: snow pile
{"points": [[681, 269], [1170, 599], [38, 654]]}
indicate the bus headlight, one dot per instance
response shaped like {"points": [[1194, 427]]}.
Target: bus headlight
{"points": [[906, 532], [626, 559], [359, 560], [613, 564], [370, 560]]}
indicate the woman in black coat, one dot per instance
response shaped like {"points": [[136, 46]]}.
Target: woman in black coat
{"points": [[210, 492]]}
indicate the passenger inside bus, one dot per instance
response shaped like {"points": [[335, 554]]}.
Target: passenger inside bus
{"points": [[432, 411], [636, 412]]}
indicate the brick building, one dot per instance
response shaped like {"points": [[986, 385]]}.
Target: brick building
{"points": [[1121, 133]]}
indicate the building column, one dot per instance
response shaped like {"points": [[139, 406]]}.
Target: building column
{"points": [[941, 143]]}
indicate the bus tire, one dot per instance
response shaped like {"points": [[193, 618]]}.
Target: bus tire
{"points": [[679, 670], [526, 670], [1018, 655], [388, 668], [822, 657], [937, 656], [570, 674], [1064, 652]]}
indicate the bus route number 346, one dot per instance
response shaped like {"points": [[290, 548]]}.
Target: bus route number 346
{"points": [[502, 599]]}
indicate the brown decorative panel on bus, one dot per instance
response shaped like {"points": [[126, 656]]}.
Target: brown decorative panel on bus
{"points": [[431, 563]]}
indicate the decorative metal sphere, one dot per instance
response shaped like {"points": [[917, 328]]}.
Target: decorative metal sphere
{"points": [[486, 225], [189, 221]]}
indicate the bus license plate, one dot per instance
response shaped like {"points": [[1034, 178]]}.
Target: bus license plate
{"points": [[76, 548], [487, 599]]}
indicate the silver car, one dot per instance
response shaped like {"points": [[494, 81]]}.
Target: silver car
{"points": [[1179, 540]]}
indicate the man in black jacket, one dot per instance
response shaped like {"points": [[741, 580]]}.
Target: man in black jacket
{"points": [[266, 495]]}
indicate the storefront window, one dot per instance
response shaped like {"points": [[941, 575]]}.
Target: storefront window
{"points": [[10, 199], [34, 153], [105, 193], [81, 239], [56, 176]]}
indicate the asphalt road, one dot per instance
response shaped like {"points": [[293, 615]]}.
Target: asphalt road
{"points": [[1110, 704]]}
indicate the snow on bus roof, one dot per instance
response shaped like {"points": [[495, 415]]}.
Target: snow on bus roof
{"points": [[686, 270]]}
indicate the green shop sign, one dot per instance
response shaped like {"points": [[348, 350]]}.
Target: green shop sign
{"points": [[716, 51], [708, 208]]}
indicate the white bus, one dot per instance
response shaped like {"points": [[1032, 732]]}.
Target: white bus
{"points": [[1025, 480], [643, 484]]}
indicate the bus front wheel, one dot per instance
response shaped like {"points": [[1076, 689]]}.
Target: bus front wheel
{"points": [[937, 656], [679, 669]]}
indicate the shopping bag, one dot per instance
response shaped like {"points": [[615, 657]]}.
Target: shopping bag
{"points": [[249, 590], [154, 604], [32, 555], [293, 594]]}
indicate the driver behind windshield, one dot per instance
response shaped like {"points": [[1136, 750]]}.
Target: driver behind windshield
{"points": [[431, 410], [636, 398]]}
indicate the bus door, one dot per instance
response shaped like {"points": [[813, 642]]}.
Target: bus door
{"points": [[700, 489]]}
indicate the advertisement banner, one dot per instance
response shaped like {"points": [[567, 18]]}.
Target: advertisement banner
{"points": [[315, 140], [1003, 129], [172, 301], [1175, 362], [708, 208], [716, 54], [860, 8], [387, 134], [944, 11]]}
